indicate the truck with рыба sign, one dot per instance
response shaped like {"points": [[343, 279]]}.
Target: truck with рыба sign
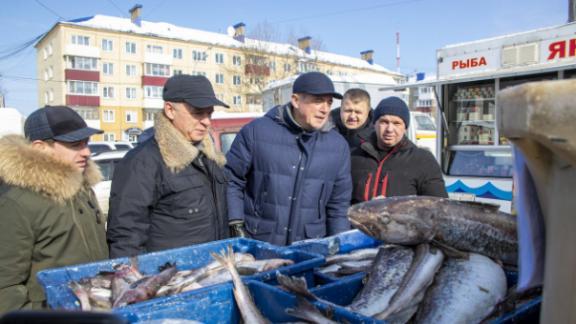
{"points": [[476, 160]]}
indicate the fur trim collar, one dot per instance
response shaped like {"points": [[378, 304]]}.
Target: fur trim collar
{"points": [[25, 167], [175, 149]]}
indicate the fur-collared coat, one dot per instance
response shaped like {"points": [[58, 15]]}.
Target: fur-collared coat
{"points": [[167, 193], [49, 218]]}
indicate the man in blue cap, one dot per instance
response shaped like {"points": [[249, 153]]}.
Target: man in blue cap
{"points": [[289, 171], [170, 190], [389, 164], [48, 211]]}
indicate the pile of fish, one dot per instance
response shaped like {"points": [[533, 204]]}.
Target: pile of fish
{"points": [[127, 285], [440, 261]]}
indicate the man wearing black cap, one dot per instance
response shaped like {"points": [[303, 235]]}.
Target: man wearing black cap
{"points": [[170, 190], [289, 171], [48, 211], [389, 164]]}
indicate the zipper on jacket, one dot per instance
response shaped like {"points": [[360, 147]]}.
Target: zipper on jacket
{"points": [[384, 185], [293, 197]]}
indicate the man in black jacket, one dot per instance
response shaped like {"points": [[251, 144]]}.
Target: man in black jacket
{"points": [[389, 164], [353, 119], [170, 191]]}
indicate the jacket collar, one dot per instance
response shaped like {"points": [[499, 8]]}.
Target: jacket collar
{"points": [[177, 152], [25, 167]]}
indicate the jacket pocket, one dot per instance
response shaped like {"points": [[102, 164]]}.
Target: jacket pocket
{"points": [[315, 230], [260, 229], [189, 198]]}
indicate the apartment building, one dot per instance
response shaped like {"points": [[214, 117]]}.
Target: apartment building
{"points": [[112, 69]]}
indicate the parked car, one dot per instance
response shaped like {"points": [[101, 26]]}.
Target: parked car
{"points": [[107, 162], [97, 147]]}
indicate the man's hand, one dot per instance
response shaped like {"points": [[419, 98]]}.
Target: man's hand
{"points": [[237, 229]]}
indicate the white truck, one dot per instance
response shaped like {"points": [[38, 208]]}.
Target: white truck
{"points": [[11, 122]]}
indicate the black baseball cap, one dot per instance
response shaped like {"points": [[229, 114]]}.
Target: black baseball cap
{"points": [[59, 123], [195, 90], [315, 83]]}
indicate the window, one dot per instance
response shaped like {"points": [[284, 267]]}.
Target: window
{"points": [[176, 72], [130, 48], [108, 68], [45, 74], [108, 92], [109, 137], [130, 70], [81, 40], [199, 56], [88, 114], [154, 49], [130, 93], [107, 45], [131, 116], [287, 67], [81, 63], [237, 100], [50, 95], [236, 60], [219, 78], [50, 72], [108, 116], [236, 80], [177, 53], [45, 51], [156, 69], [83, 88], [254, 99], [198, 73], [152, 92], [50, 49], [149, 115], [219, 58], [46, 97], [272, 65]]}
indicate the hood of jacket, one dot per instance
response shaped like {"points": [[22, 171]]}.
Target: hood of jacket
{"points": [[25, 167], [177, 152], [283, 115]]}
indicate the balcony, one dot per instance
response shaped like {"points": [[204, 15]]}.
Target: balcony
{"points": [[80, 100], [82, 75], [259, 70], [81, 50], [153, 103], [148, 80], [157, 58]]}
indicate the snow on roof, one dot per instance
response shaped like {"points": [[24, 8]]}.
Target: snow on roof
{"points": [[363, 78], [166, 30]]}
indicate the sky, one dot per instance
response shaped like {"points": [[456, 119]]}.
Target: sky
{"points": [[342, 27]]}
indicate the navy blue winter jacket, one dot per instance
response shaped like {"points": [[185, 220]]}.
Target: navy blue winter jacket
{"points": [[288, 184]]}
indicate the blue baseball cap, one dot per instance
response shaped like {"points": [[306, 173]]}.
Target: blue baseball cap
{"points": [[315, 83], [59, 123]]}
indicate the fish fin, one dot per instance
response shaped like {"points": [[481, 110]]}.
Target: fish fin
{"points": [[450, 251], [488, 207], [296, 285]]}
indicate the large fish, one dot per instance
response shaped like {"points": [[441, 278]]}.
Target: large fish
{"points": [[427, 261], [250, 313], [390, 266], [146, 287], [464, 291], [464, 226]]}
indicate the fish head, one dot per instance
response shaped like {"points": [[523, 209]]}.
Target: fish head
{"points": [[393, 220]]}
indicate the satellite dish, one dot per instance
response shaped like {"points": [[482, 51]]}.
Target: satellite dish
{"points": [[230, 31]]}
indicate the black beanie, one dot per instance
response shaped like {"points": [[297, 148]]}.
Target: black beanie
{"points": [[393, 106]]}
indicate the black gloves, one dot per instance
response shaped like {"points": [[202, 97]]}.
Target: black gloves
{"points": [[237, 229]]}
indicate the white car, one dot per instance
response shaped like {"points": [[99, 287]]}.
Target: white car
{"points": [[107, 162], [97, 147]]}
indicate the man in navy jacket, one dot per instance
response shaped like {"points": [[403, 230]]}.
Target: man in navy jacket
{"points": [[289, 171]]}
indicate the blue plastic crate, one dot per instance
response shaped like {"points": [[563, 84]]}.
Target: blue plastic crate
{"points": [[59, 296], [337, 244], [217, 305]]}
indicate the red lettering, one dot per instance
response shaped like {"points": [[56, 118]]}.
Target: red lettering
{"points": [[471, 62], [557, 48], [572, 47]]}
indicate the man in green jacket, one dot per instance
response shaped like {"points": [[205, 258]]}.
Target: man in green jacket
{"points": [[48, 211]]}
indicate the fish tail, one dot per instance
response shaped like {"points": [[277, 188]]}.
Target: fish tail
{"points": [[226, 259]]}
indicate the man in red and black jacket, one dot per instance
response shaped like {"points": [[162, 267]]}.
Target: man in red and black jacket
{"points": [[389, 164]]}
